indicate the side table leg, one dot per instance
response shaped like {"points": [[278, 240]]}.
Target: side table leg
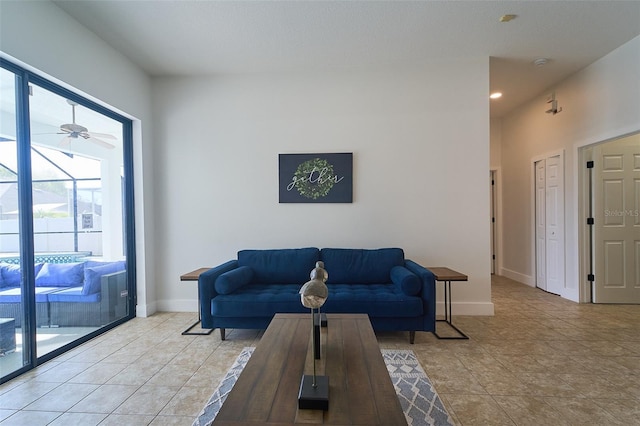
{"points": [[188, 331], [448, 316]]}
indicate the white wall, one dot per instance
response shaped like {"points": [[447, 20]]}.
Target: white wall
{"points": [[420, 140], [40, 36], [599, 103], [495, 148], [496, 142]]}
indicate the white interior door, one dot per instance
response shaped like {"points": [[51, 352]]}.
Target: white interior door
{"points": [[549, 226], [541, 221], [493, 221], [616, 195], [554, 212]]}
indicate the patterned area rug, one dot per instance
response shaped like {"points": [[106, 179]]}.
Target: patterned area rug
{"points": [[419, 400]]}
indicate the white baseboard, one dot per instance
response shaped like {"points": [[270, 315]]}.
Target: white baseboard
{"points": [[457, 308], [146, 310], [517, 276], [467, 308]]}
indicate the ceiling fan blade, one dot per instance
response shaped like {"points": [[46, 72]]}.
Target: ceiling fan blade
{"points": [[103, 136], [101, 143]]}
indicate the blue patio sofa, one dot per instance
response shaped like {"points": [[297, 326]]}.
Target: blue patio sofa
{"points": [[67, 294], [397, 293]]}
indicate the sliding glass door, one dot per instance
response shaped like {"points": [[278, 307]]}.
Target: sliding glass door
{"points": [[13, 309], [66, 243]]}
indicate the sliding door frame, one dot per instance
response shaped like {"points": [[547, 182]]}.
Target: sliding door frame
{"points": [[27, 247]]}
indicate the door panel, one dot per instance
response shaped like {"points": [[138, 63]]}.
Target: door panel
{"points": [[617, 221], [493, 221], [540, 179], [555, 224]]}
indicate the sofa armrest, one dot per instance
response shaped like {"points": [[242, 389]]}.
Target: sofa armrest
{"points": [[408, 282], [427, 294], [207, 290]]}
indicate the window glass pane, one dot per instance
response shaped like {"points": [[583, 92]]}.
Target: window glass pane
{"points": [[77, 158]]}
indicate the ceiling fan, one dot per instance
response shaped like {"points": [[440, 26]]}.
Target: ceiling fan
{"points": [[74, 131]]}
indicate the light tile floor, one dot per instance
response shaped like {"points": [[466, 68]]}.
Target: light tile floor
{"points": [[541, 360]]}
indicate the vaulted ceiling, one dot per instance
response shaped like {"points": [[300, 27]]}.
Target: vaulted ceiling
{"points": [[186, 38]]}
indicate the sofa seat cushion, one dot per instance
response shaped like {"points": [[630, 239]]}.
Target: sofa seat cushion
{"points": [[266, 300], [259, 300], [280, 266], [361, 266], [13, 295], [376, 300], [73, 294]]}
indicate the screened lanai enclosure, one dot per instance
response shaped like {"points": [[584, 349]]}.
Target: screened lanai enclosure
{"points": [[65, 217]]}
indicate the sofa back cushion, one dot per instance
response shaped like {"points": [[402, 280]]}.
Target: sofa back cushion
{"points": [[93, 276], [361, 266], [280, 266], [60, 275]]}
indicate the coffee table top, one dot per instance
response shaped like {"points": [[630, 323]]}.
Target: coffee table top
{"points": [[360, 389]]}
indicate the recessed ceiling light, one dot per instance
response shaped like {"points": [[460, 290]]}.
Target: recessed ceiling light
{"points": [[495, 95], [507, 18]]}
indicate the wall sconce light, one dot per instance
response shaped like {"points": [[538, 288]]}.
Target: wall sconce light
{"points": [[551, 99]]}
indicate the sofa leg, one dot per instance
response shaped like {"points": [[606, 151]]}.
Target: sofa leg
{"points": [[412, 337], [222, 336]]}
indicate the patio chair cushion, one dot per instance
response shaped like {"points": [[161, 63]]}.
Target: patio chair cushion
{"points": [[60, 275], [92, 276], [11, 275]]}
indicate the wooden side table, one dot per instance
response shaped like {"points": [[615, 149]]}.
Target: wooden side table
{"points": [[193, 276], [445, 276]]}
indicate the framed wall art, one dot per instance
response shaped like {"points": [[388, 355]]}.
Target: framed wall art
{"points": [[316, 178]]}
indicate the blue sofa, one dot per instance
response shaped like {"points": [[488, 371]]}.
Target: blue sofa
{"points": [[396, 293], [89, 293]]}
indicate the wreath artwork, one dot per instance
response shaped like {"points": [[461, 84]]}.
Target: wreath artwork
{"points": [[316, 178], [311, 178]]}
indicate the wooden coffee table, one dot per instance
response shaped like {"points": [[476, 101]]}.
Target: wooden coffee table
{"points": [[360, 389]]}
